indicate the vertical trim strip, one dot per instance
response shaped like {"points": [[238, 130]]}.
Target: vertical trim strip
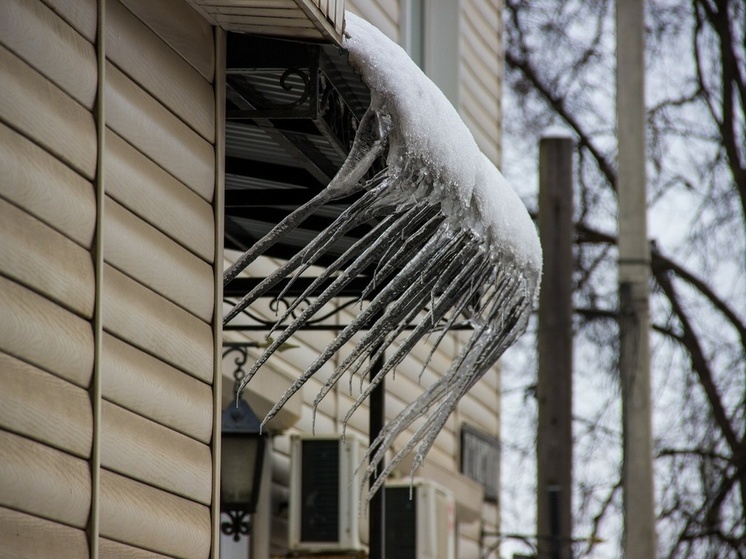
{"points": [[95, 390], [217, 321]]}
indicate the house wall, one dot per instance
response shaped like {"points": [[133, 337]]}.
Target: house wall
{"points": [[107, 280]]}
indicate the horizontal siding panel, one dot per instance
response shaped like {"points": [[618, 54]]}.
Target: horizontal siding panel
{"points": [[151, 258], [147, 386], [39, 257], [28, 537], [483, 90], [46, 42], [141, 449], [479, 415], [152, 129], [41, 184], [136, 314], [487, 390], [152, 519], [30, 397], [40, 332], [180, 26], [108, 549], [157, 197], [46, 114], [82, 15], [145, 58], [376, 14], [486, 143], [481, 56], [43, 481], [484, 23]]}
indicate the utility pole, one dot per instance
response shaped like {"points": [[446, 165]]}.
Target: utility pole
{"points": [[634, 266], [554, 389]]}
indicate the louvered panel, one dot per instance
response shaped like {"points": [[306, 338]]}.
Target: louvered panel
{"points": [[151, 519], [141, 449], [157, 197], [24, 536], [80, 14], [46, 114], [146, 255], [156, 67], [42, 481], [108, 549], [147, 386], [40, 332], [145, 123], [41, 184], [136, 314], [181, 27], [45, 41], [39, 257], [30, 397]]}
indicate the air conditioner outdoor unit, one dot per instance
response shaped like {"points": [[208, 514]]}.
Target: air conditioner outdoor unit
{"points": [[325, 495], [420, 521]]}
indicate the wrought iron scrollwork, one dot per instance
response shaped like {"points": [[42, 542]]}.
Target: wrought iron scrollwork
{"points": [[340, 119], [238, 525], [261, 98], [241, 358]]}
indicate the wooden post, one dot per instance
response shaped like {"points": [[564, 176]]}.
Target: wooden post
{"points": [[634, 266], [554, 390]]}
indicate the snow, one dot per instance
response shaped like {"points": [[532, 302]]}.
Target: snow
{"points": [[428, 129], [558, 132]]}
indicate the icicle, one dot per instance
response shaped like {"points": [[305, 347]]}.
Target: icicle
{"points": [[450, 241]]}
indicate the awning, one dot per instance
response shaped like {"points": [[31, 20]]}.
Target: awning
{"points": [[417, 213], [310, 20]]}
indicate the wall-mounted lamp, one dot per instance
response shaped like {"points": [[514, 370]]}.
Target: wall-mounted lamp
{"points": [[242, 460]]}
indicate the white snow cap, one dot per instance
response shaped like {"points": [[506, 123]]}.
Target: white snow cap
{"points": [[557, 131], [428, 129]]}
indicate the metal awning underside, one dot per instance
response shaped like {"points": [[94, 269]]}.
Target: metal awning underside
{"points": [[291, 114], [309, 20]]}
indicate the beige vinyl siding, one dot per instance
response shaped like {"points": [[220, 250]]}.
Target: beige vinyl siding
{"points": [[157, 358], [384, 14], [29, 172], [480, 75], [156, 368], [20, 534]]}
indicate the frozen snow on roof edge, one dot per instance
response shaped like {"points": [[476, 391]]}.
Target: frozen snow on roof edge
{"points": [[429, 130]]}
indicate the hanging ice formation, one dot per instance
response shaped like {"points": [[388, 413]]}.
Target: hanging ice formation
{"points": [[452, 240]]}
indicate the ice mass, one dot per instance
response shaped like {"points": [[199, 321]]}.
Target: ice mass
{"points": [[453, 241]]}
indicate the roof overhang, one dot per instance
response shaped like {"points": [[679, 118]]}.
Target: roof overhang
{"points": [[307, 20]]}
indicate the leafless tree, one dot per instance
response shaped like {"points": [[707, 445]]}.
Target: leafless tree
{"points": [[560, 68]]}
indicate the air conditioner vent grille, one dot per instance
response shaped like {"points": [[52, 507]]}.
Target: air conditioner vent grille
{"points": [[320, 491], [401, 523]]}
